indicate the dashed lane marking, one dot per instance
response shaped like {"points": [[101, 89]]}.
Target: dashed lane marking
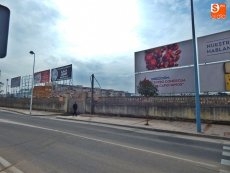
{"points": [[8, 166], [225, 162], [226, 148], [225, 153], [224, 171]]}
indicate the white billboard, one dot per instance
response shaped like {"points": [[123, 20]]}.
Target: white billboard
{"points": [[156, 65], [215, 47], [176, 81], [167, 56], [170, 81], [212, 78]]}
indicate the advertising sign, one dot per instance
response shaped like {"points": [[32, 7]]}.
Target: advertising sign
{"points": [[167, 56], [15, 82], [42, 77], [4, 29], [215, 47], [61, 73], [212, 78], [175, 81], [170, 81]]}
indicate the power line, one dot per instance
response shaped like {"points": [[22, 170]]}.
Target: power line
{"points": [[97, 82]]}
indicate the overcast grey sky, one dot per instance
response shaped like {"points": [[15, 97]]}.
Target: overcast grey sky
{"points": [[98, 36]]}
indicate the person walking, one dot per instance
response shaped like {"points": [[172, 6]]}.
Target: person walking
{"points": [[75, 109]]}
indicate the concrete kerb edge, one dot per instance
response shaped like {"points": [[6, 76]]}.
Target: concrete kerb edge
{"points": [[153, 129], [23, 113], [5, 109]]}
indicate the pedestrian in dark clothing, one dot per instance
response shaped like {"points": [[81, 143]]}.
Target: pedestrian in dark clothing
{"points": [[75, 108]]}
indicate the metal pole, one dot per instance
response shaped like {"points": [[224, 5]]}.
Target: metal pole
{"points": [[6, 86], [92, 92], [31, 98], [196, 69]]}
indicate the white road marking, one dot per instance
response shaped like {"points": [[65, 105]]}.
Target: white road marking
{"points": [[112, 143], [226, 148], [224, 171], [225, 162], [6, 164], [224, 153]]}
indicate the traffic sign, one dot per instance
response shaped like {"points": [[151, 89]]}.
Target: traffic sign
{"points": [[4, 29]]}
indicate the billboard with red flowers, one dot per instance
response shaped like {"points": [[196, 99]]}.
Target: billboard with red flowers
{"points": [[167, 56]]}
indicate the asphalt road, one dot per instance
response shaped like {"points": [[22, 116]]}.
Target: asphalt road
{"points": [[48, 145]]}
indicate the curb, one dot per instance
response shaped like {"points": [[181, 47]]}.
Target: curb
{"points": [[23, 113], [152, 129]]}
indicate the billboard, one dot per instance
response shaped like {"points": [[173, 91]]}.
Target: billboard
{"points": [[42, 77], [167, 56], [4, 29], [175, 81], [214, 67], [61, 73], [212, 78], [15, 82], [170, 81], [215, 47]]}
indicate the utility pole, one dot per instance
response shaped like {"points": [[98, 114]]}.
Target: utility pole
{"points": [[92, 92]]}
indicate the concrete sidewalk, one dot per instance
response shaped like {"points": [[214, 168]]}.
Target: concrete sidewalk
{"points": [[181, 127]]}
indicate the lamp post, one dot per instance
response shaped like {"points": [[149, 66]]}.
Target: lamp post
{"points": [[196, 69], [7, 86], [31, 99]]}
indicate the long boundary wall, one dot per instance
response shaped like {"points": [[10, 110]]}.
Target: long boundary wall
{"points": [[51, 104], [213, 108]]}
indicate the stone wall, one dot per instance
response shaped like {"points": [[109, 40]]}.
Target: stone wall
{"points": [[46, 104], [213, 108]]}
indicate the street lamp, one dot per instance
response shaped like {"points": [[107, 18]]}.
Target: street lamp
{"points": [[7, 86], [196, 70], [31, 99]]}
